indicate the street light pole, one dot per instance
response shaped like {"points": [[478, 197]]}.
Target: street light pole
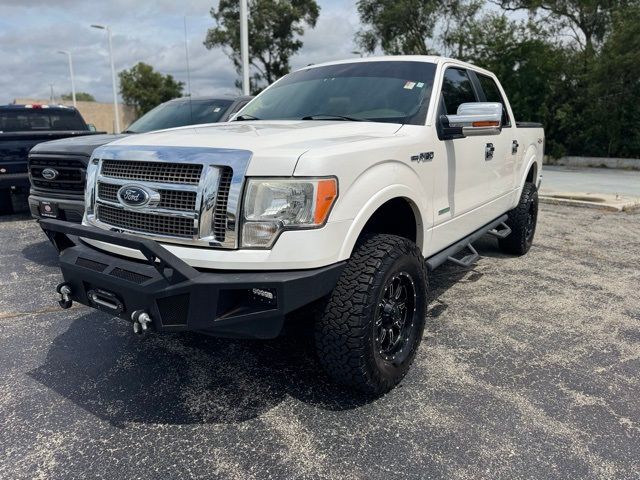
{"points": [[244, 45], [73, 85], [113, 76]]}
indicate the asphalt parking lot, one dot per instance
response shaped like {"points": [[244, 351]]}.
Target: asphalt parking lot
{"points": [[530, 368]]}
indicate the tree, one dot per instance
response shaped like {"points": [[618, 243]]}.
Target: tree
{"points": [[275, 28], [585, 90], [144, 88], [612, 118], [536, 74], [460, 22], [80, 97], [588, 21], [399, 27]]}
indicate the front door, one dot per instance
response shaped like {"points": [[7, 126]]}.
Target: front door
{"points": [[464, 184]]}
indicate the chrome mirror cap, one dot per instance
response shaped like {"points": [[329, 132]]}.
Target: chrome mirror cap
{"points": [[478, 118]]}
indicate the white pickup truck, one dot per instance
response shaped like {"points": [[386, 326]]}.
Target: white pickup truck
{"points": [[335, 191]]}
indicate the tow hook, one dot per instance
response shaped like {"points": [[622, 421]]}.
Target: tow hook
{"points": [[141, 321], [64, 290]]}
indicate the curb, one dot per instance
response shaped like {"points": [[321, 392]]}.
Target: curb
{"points": [[599, 202], [595, 162]]}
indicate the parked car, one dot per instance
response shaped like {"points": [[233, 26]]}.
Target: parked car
{"points": [[57, 169], [22, 127], [336, 191]]}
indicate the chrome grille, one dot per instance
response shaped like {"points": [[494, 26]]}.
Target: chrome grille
{"points": [[194, 193], [108, 192], [169, 199], [71, 173], [146, 222], [177, 200], [163, 172], [222, 199]]}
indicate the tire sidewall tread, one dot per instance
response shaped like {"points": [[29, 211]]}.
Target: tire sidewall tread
{"points": [[344, 333]]}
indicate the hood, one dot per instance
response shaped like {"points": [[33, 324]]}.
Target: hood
{"points": [[275, 145], [84, 145]]}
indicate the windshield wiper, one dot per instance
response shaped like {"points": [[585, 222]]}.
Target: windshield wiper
{"points": [[243, 117], [326, 116], [128, 131]]}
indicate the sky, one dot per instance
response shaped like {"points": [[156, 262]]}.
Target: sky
{"points": [[151, 31]]}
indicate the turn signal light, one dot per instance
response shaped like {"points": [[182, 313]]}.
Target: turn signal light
{"points": [[326, 193], [486, 123]]}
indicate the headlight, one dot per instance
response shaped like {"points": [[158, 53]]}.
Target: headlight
{"points": [[273, 205]]}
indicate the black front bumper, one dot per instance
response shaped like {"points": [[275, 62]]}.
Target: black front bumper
{"points": [[177, 296], [69, 208]]}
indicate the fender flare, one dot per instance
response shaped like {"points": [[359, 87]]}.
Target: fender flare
{"points": [[531, 159], [373, 204]]}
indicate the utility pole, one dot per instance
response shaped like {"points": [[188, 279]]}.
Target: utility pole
{"points": [[244, 45], [113, 77], [73, 85], [51, 94], [186, 52]]}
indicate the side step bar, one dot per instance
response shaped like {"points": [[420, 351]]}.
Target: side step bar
{"points": [[467, 260], [501, 231], [498, 226]]}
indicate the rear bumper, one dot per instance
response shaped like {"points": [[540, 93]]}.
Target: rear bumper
{"points": [[177, 296], [68, 209]]}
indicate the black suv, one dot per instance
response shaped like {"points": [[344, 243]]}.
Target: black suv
{"points": [[57, 169], [22, 127]]}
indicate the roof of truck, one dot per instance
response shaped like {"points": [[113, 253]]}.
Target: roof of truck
{"points": [[35, 106], [401, 58]]}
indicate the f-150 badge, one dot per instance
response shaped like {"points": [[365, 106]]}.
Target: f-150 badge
{"points": [[422, 157]]}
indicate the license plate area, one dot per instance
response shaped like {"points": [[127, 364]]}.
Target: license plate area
{"points": [[48, 209]]}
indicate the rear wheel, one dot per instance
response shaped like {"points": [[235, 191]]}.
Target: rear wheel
{"points": [[374, 319], [522, 221], [6, 206]]}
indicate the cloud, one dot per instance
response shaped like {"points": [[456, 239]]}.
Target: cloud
{"points": [[152, 31], [332, 38]]}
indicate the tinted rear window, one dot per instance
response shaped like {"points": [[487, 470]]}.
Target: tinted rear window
{"points": [[37, 120], [492, 94]]}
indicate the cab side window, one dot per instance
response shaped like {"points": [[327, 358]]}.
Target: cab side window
{"points": [[456, 89], [492, 94]]}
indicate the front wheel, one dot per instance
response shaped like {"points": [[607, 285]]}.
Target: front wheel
{"points": [[374, 319], [522, 221]]}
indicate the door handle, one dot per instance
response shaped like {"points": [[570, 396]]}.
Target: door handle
{"points": [[489, 149], [514, 147]]}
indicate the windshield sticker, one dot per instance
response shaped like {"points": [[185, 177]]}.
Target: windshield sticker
{"points": [[409, 85], [216, 110], [420, 84]]}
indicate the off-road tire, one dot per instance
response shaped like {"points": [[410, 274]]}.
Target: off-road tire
{"points": [[345, 334], [6, 206], [522, 221]]}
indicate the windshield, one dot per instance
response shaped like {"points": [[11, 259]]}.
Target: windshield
{"points": [[178, 114], [40, 119], [381, 91]]}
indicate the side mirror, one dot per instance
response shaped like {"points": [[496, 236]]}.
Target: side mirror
{"points": [[92, 127], [471, 119]]}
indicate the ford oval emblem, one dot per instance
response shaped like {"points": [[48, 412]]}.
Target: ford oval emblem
{"points": [[133, 196], [50, 174]]}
